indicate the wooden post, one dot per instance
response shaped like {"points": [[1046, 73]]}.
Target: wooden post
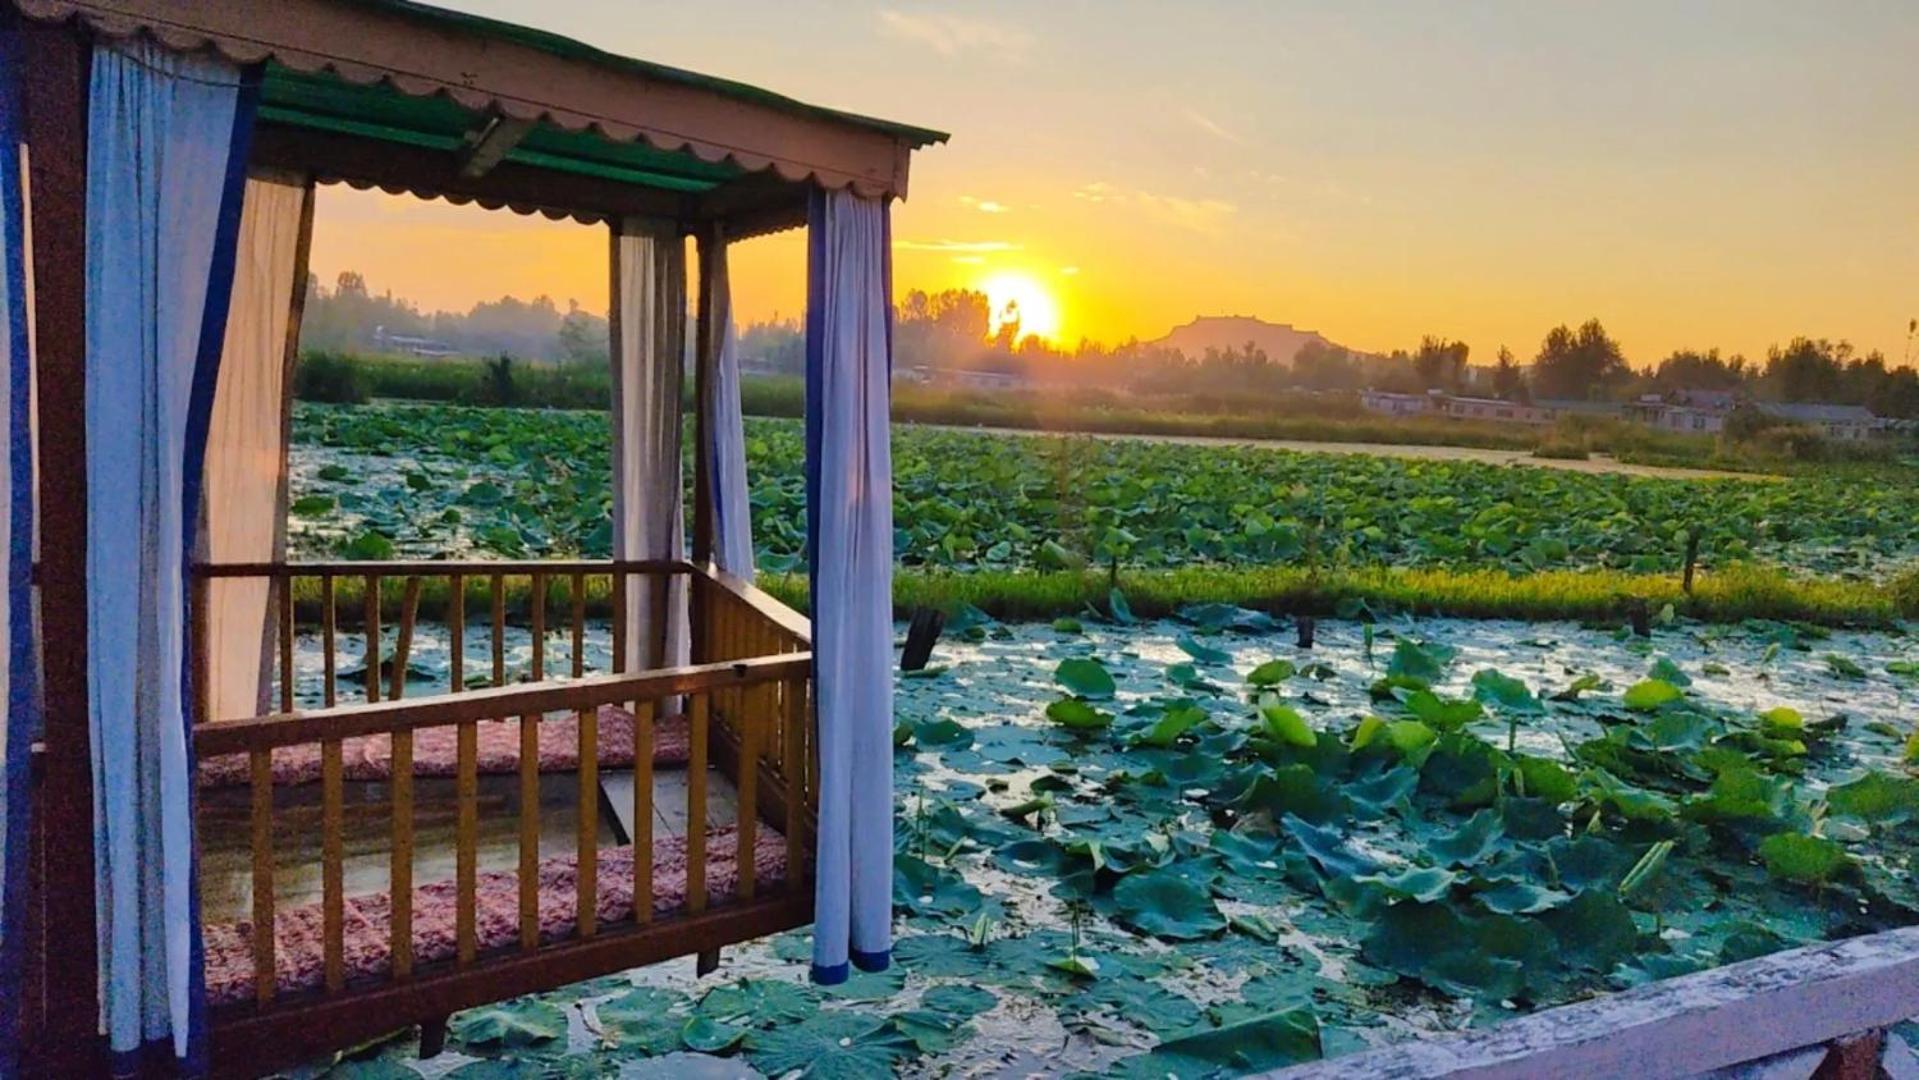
{"points": [[1692, 559], [706, 354], [1308, 626], [54, 79]]}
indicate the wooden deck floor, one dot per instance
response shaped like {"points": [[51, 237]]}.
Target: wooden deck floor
{"points": [[226, 859]]}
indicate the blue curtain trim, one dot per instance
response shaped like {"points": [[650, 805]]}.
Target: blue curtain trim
{"points": [[21, 721], [206, 381], [830, 974], [873, 961]]}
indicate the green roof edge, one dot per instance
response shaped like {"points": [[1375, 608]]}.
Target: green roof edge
{"points": [[569, 48]]}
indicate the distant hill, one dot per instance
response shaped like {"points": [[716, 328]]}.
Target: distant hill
{"points": [[1279, 341]]}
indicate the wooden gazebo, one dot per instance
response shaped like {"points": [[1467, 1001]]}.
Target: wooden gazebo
{"points": [[409, 98]]}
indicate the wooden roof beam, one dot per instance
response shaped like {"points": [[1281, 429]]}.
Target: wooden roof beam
{"points": [[436, 174]]}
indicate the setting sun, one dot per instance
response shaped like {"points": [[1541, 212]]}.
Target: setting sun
{"points": [[1014, 296]]}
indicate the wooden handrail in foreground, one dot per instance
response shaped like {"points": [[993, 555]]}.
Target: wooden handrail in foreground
{"points": [[763, 603], [1825, 1004], [349, 721]]}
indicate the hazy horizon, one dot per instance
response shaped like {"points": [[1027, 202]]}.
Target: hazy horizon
{"points": [[1696, 176]]}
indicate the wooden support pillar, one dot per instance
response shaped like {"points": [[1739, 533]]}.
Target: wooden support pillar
{"points": [[706, 358], [55, 82]]}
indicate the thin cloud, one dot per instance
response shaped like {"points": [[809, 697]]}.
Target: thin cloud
{"points": [[1216, 129], [1200, 215], [984, 206], [953, 35], [958, 247]]}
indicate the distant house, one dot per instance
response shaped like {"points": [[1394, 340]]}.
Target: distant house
{"points": [[1691, 412], [1493, 410], [1562, 407], [1391, 404], [1842, 423], [405, 345]]}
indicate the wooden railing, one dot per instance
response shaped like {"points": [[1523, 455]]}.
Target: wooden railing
{"points": [[745, 702], [338, 599], [1819, 1011]]}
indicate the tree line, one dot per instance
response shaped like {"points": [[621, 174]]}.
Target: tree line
{"points": [[956, 328]]}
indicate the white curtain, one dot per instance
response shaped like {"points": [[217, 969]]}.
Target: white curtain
{"points": [[246, 454], [18, 723], [649, 497], [165, 165], [849, 470], [732, 524]]}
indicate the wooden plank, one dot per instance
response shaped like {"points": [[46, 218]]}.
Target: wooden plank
{"points": [[370, 618], [54, 78], [619, 581], [529, 876], [199, 607], [763, 603], [265, 981], [793, 700], [499, 630], [642, 838], [539, 627], [347, 721], [284, 586], [587, 872], [400, 873], [328, 626], [467, 870], [333, 914], [696, 804], [456, 634], [746, 786], [579, 624], [1676, 1027], [403, 643]]}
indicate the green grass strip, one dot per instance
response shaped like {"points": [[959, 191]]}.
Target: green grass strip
{"points": [[1726, 595]]}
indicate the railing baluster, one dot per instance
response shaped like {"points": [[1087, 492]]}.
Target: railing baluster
{"points": [[285, 589], [642, 812], [265, 977], [696, 803], [539, 626], [579, 624], [746, 820], [372, 627], [400, 872], [499, 630], [403, 643], [529, 832], [456, 634], [793, 723], [328, 625], [618, 586], [587, 873], [466, 871], [199, 609], [333, 931]]}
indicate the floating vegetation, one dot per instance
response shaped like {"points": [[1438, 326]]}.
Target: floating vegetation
{"points": [[1262, 854], [380, 481]]}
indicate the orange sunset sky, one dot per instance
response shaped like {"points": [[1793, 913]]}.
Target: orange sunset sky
{"points": [[1695, 174]]}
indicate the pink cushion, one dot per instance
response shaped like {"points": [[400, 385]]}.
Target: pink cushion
{"points": [[299, 950], [436, 751]]}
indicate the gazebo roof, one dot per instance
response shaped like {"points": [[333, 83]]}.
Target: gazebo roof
{"points": [[412, 97]]}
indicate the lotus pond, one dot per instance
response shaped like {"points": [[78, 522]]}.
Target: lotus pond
{"points": [[1190, 847], [407, 480]]}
